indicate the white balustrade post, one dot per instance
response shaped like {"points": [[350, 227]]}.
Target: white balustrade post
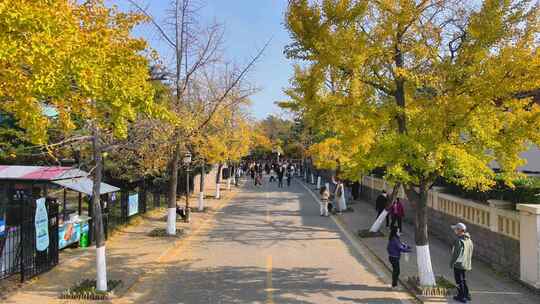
{"points": [[494, 207], [529, 244]]}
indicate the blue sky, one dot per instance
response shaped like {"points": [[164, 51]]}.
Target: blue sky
{"points": [[249, 24]]}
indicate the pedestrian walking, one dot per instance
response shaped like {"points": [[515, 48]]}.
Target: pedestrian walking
{"points": [[461, 261], [397, 212], [280, 173], [325, 197], [258, 179], [237, 174], [272, 175], [395, 248], [289, 177]]}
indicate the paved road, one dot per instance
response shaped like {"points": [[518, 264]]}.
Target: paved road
{"points": [[267, 246]]}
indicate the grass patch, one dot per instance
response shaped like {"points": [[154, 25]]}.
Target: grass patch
{"points": [[162, 232], [443, 287], [365, 233], [86, 290]]}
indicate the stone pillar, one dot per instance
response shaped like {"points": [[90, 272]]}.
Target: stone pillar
{"points": [[529, 244], [494, 206]]}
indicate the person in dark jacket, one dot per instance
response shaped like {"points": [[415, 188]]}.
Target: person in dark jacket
{"points": [[461, 261], [280, 173], [395, 248], [380, 205]]}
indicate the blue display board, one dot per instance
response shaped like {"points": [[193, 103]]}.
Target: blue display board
{"points": [[41, 222], [2, 227], [133, 204], [68, 233]]}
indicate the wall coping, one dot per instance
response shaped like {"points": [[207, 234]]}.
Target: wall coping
{"points": [[530, 208]]}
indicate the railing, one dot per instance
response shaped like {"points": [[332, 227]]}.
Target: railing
{"points": [[469, 211], [491, 217], [508, 224]]}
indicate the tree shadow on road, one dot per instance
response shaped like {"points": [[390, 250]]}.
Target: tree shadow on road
{"points": [[184, 284]]}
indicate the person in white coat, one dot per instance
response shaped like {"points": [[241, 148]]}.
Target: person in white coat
{"points": [[325, 196], [339, 196]]}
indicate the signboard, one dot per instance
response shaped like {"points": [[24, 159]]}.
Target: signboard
{"points": [[68, 234], [133, 204], [41, 222], [2, 227]]}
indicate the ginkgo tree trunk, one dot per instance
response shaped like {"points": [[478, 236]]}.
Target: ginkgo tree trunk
{"points": [[201, 185], [101, 262]]}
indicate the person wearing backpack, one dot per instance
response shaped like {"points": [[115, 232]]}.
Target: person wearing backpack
{"points": [[394, 248], [461, 261], [397, 212]]}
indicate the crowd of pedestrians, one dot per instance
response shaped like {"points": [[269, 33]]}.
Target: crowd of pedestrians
{"points": [[280, 172]]}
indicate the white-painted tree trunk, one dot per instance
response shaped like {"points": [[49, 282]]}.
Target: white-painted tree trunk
{"points": [[327, 185], [218, 191], [201, 201], [379, 221], [229, 184], [342, 199], [312, 179], [171, 221], [425, 270], [101, 269], [318, 182]]}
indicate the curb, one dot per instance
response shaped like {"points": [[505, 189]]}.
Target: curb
{"points": [[407, 288]]}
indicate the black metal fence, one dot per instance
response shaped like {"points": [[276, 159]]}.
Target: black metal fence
{"points": [[119, 210], [18, 252]]}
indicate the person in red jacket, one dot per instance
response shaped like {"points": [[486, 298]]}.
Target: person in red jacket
{"points": [[397, 212]]}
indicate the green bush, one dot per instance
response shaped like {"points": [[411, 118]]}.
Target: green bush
{"points": [[526, 191]]}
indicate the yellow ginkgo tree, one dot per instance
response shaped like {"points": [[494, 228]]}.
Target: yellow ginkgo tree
{"points": [[424, 89], [67, 63]]}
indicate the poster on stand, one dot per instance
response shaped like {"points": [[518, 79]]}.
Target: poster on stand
{"points": [[41, 221], [68, 234], [133, 204]]}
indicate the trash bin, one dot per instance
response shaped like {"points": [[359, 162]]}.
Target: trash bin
{"points": [[85, 237]]}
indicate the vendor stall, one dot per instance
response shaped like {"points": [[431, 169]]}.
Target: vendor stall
{"points": [[66, 194]]}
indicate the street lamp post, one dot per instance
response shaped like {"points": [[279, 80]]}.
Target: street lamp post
{"points": [[187, 163]]}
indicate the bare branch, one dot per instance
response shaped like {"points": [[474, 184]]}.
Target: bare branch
{"points": [[234, 84], [156, 24]]}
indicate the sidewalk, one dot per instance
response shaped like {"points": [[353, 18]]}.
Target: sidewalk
{"points": [[486, 285], [130, 254]]}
